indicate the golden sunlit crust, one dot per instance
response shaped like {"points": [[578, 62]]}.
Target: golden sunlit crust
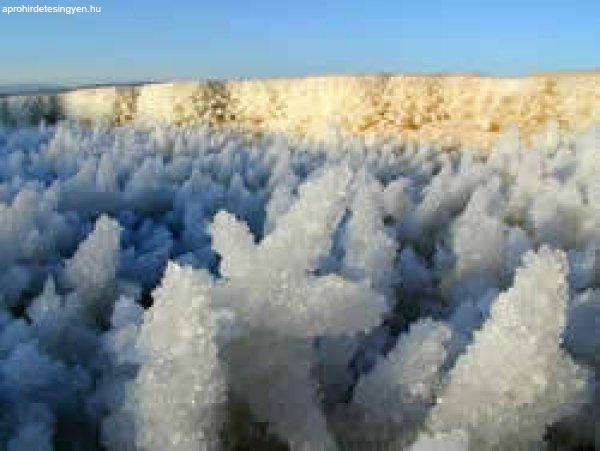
{"points": [[450, 110]]}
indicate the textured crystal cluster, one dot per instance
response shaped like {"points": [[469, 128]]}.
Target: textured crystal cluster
{"points": [[183, 289]]}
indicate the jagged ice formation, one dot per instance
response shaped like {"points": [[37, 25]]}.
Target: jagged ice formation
{"points": [[171, 288]]}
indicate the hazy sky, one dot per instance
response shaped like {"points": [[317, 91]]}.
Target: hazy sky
{"points": [[158, 39]]}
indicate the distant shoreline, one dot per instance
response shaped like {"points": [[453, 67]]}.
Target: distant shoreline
{"points": [[9, 89]]}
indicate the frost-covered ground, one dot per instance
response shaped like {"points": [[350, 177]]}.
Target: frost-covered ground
{"points": [[179, 289]]}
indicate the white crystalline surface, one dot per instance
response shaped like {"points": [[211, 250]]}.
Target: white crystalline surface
{"points": [[182, 289], [514, 378], [181, 378]]}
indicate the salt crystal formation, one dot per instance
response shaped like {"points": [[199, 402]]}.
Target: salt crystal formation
{"points": [[515, 364], [174, 288]]}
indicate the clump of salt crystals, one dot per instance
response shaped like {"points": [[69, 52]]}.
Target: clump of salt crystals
{"points": [[284, 305], [515, 378]]}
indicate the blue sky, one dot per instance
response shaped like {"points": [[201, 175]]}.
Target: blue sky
{"points": [[181, 39]]}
